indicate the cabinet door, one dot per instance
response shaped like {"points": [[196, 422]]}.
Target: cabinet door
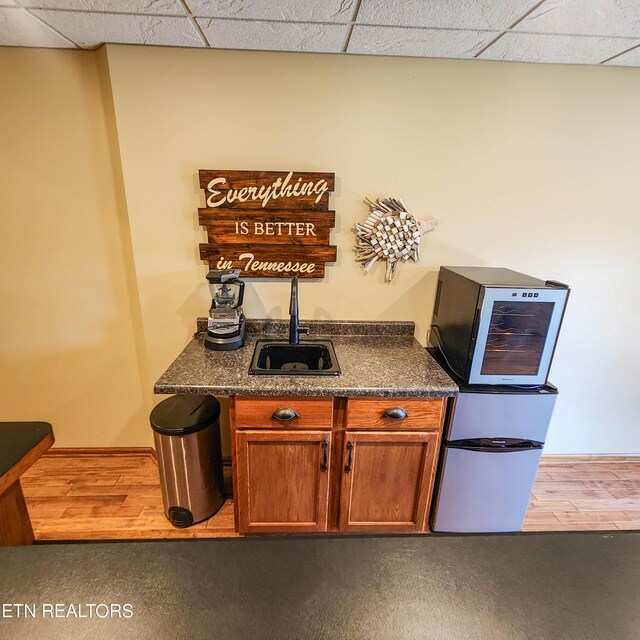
{"points": [[387, 480], [282, 480]]}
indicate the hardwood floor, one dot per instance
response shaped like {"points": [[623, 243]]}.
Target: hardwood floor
{"points": [[107, 496], [592, 495]]}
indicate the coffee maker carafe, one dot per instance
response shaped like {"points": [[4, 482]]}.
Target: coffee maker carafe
{"points": [[225, 325]]}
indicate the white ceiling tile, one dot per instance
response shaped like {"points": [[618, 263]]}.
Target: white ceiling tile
{"points": [[431, 43], [629, 59], [444, 14], [19, 28], [92, 29], [530, 47], [290, 10], [117, 6], [585, 17], [275, 36]]}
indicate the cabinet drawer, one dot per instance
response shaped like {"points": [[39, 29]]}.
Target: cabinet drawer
{"points": [[376, 413], [261, 413]]}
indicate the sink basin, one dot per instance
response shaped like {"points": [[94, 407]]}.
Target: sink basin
{"points": [[309, 358]]}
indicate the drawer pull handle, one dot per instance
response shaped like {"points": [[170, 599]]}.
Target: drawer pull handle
{"points": [[325, 449], [284, 414], [395, 413], [347, 469]]}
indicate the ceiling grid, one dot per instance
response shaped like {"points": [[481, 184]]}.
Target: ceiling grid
{"points": [[555, 31]]}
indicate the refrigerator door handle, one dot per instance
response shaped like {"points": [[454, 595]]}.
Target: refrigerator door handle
{"points": [[495, 445]]}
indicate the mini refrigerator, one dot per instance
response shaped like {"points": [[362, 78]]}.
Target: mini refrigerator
{"points": [[492, 443]]}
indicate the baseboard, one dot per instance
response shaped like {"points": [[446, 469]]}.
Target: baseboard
{"points": [[101, 451], [612, 457]]}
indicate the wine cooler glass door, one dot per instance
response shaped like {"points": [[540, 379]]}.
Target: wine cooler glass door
{"points": [[516, 336]]}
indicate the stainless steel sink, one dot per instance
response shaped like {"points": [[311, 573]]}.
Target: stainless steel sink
{"points": [[309, 358]]}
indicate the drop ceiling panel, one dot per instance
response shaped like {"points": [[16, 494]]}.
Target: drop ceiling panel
{"points": [[528, 47], [629, 59], [452, 14], [562, 31], [585, 17], [92, 29], [290, 10], [432, 43], [116, 6], [19, 28], [275, 36]]}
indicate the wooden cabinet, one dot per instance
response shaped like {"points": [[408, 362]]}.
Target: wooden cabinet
{"points": [[386, 480], [282, 480], [318, 464]]}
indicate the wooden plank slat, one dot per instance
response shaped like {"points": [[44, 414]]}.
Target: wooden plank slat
{"points": [[542, 518], [307, 203], [35, 502], [586, 474], [592, 516], [270, 260], [319, 254], [571, 526], [318, 271], [240, 179], [226, 233], [571, 494], [627, 526], [322, 219], [72, 452], [550, 506]]}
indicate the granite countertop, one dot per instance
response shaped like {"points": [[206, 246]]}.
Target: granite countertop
{"points": [[376, 358]]}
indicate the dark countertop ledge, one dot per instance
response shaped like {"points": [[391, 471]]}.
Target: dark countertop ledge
{"points": [[569, 586], [17, 439], [378, 359]]}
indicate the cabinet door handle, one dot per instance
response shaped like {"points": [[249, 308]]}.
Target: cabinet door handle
{"points": [[284, 414], [347, 469], [395, 413], [325, 454]]}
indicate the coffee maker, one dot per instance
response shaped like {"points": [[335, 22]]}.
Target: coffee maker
{"points": [[225, 325]]}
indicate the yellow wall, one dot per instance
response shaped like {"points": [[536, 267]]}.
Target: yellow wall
{"points": [[67, 351], [532, 167]]}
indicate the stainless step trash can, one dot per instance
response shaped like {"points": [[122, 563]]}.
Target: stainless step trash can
{"points": [[187, 438]]}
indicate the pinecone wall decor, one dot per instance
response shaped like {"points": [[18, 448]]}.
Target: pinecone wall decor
{"points": [[390, 233]]}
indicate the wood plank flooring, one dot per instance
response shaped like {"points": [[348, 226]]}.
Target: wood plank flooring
{"points": [[107, 497], [116, 497], [592, 495]]}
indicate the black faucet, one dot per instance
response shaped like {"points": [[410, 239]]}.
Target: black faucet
{"points": [[294, 328]]}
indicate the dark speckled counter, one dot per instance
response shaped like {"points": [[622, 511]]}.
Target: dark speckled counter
{"points": [[376, 358]]}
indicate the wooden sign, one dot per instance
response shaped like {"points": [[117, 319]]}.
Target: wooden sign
{"points": [[268, 224]]}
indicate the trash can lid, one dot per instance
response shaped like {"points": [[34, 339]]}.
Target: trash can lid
{"points": [[183, 414]]}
